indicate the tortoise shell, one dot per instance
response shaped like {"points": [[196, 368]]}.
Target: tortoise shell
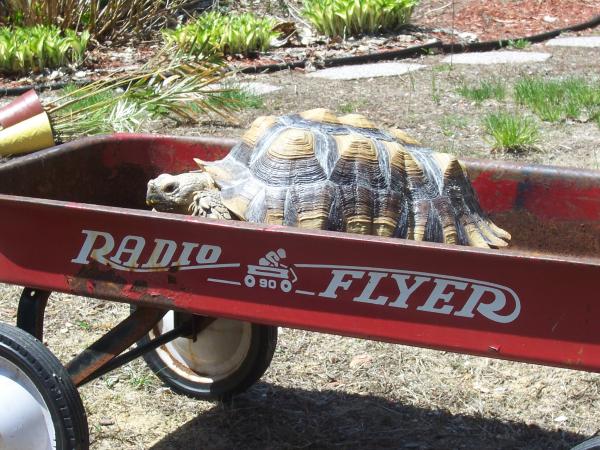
{"points": [[320, 171]]}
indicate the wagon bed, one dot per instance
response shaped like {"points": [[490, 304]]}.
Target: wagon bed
{"points": [[99, 184], [74, 220]]}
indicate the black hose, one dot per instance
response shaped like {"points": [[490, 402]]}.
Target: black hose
{"points": [[420, 49], [13, 92]]}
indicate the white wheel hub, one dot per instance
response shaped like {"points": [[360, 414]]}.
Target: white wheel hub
{"points": [[25, 421], [216, 352]]}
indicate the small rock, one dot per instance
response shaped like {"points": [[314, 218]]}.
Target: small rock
{"points": [[79, 74], [361, 361], [550, 19], [560, 419], [468, 37], [575, 41], [105, 422], [54, 75], [309, 67]]}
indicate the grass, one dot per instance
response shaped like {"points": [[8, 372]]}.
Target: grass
{"points": [[351, 106], [84, 102], [240, 98], [436, 97], [443, 68], [558, 100], [484, 90], [511, 132], [84, 325], [136, 376], [518, 44], [452, 122]]}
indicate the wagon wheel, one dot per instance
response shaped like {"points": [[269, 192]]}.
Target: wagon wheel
{"points": [[40, 407], [222, 360]]}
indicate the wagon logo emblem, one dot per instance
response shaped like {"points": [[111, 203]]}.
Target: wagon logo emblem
{"points": [[271, 272], [394, 288]]}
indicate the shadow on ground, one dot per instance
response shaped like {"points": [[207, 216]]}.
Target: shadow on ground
{"points": [[273, 417]]}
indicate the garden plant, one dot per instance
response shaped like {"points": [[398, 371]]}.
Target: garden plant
{"points": [[25, 49], [214, 32], [180, 90], [103, 19], [354, 17]]}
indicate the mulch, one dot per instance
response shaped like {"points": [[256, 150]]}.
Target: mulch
{"points": [[504, 19]]}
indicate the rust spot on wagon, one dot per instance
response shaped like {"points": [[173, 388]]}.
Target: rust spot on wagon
{"points": [[156, 300]]}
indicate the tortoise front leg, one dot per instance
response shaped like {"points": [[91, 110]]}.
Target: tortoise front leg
{"points": [[209, 204]]}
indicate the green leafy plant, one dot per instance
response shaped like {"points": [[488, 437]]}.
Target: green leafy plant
{"points": [[181, 90], [24, 49], [354, 17], [557, 100], [518, 43], [103, 19], [484, 90], [84, 325], [217, 33], [511, 132]]}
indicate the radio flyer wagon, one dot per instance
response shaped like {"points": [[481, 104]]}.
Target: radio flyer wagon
{"points": [[207, 296]]}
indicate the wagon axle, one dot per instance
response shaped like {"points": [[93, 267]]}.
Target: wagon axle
{"points": [[106, 354]]}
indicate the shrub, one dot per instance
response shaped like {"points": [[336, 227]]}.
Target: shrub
{"points": [[24, 49], [511, 132], [103, 19], [354, 17], [214, 32]]}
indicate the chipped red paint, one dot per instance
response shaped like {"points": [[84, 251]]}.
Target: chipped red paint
{"points": [[535, 304]]}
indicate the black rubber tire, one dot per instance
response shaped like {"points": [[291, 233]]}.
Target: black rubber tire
{"points": [[263, 342], [53, 383]]}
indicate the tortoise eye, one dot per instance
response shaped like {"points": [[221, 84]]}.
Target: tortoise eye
{"points": [[170, 187]]}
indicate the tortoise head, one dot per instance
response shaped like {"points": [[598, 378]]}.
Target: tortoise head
{"points": [[175, 193]]}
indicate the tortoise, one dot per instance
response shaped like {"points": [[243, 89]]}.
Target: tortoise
{"points": [[316, 170]]}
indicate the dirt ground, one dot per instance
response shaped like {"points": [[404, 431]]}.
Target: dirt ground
{"points": [[425, 104], [334, 392]]}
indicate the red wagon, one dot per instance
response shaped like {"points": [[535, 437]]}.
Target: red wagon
{"points": [[205, 302]]}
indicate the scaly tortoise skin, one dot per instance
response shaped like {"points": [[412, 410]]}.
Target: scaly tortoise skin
{"points": [[316, 170]]}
